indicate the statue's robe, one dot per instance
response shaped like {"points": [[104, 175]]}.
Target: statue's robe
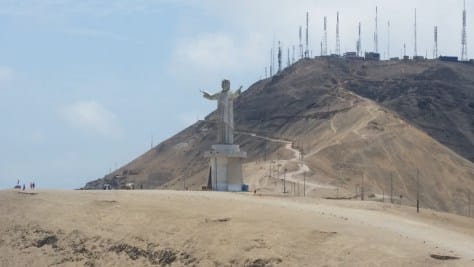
{"points": [[225, 111]]}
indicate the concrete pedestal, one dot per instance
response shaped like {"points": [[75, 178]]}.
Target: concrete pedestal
{"points": [[226, 167]]}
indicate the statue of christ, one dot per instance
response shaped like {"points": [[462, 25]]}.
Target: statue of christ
{"points": [[225, 110]]}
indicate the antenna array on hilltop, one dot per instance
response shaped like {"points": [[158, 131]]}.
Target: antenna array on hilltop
{"points": [[302, 50]]}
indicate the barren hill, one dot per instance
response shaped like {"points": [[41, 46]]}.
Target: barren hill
{"points": [[344, 127]]}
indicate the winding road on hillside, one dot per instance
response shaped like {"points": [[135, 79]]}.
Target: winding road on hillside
{"points": [[297, 176]]}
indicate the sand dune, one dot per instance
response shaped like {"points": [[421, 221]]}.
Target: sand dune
{"points": [[179, 228]]}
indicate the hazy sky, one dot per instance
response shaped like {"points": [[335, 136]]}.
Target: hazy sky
{"points": [[84, 85]]}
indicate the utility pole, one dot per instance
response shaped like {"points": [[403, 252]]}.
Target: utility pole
{"points": [[270, 170], [215, 172], [184, 182], [391, 188], [469, 205], [362, 188], [265, 152], [278, 171], [304, 184], [417, 191]]}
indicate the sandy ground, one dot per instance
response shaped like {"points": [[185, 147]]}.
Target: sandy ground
{"points": [[177, 228]]}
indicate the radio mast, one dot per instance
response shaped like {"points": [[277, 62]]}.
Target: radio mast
{"points": [[338, 43], [376, 33], [464, 35], [306, 53], [325, 38], [435, 50]]}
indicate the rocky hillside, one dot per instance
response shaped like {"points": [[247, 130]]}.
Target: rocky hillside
{"points": [[342, 126]]}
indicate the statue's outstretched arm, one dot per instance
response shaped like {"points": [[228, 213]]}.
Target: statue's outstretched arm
{"points": [[209, 96], [237, 92]]}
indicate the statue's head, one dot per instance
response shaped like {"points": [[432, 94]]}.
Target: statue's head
{"points": [[225, 85]]}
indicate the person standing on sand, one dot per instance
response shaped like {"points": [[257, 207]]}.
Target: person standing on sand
{"points": [[23, 187]]}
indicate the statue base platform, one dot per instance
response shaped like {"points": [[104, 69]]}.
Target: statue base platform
{"points": [[226, 167]]}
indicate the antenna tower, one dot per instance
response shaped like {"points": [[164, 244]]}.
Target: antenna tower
{"points": [[416, 52], [279, 57], [301, 42], [359, 43], [273, 55], [306, 53], [338, 42], [435, 50], [464, 35], [271, 62], [376, 33], [293, 56], [288, 62], [325, 39], [388, 39]]}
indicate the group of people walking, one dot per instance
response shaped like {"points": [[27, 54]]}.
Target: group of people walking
{"points": [[32, 185]]}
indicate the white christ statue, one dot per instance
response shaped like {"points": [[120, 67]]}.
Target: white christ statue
{"points": [[225, 110]]}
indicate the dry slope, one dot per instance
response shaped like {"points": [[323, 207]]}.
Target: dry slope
{"points": [[345, 138]]}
